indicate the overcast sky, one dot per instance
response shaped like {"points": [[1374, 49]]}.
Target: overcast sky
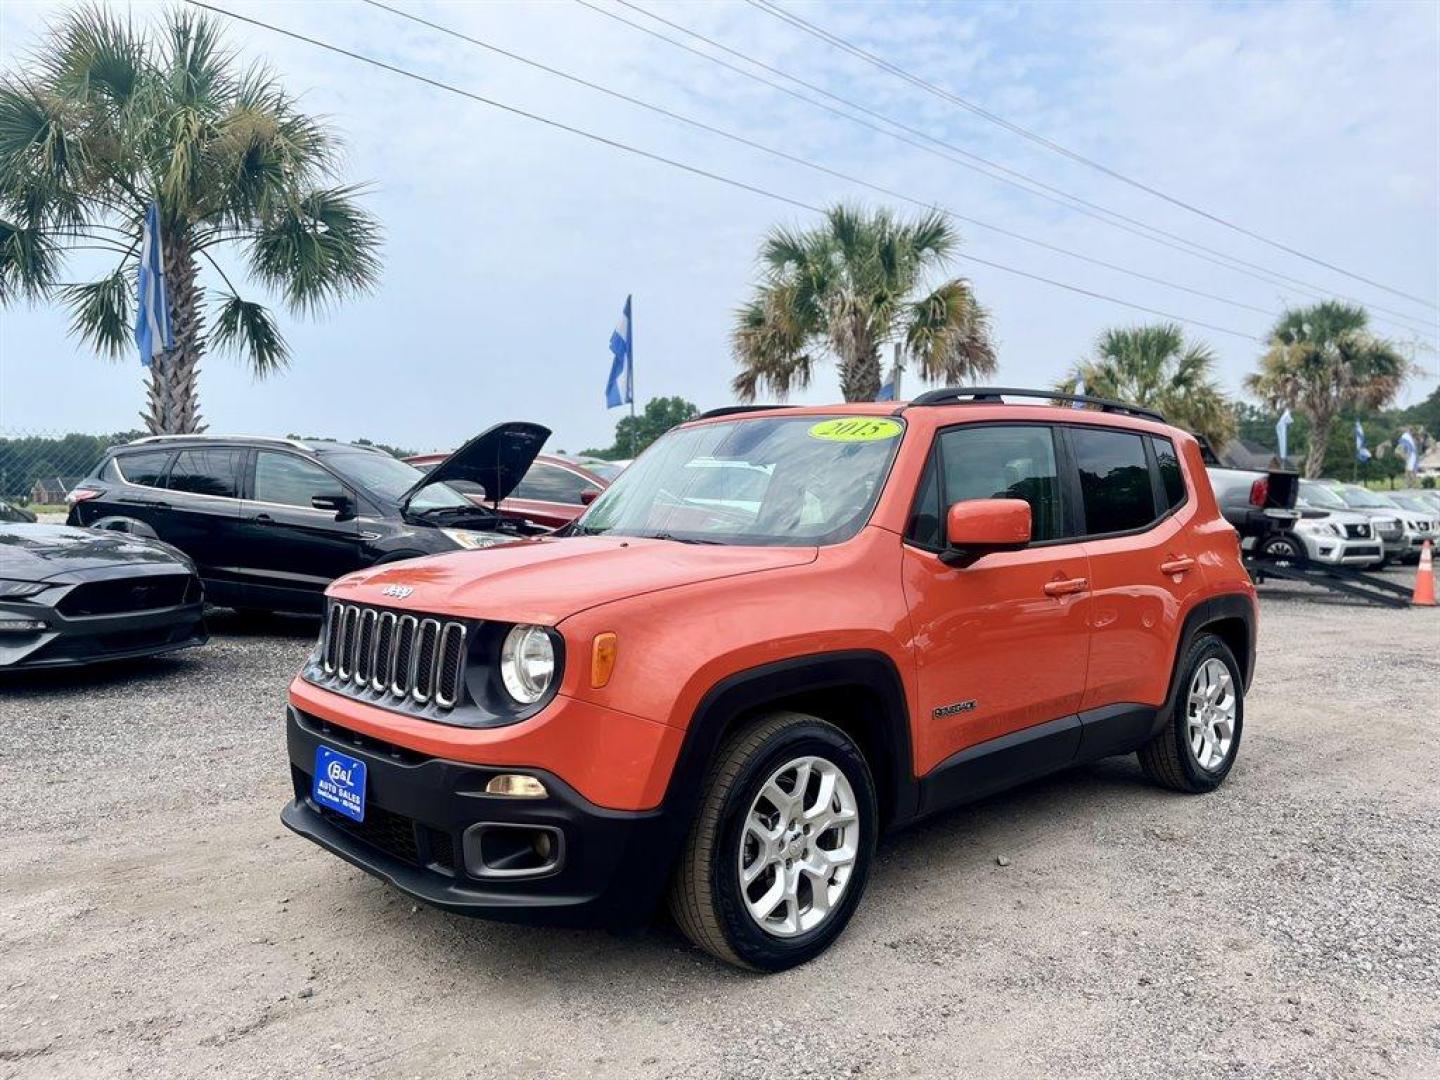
{"points": [[511, 246]]}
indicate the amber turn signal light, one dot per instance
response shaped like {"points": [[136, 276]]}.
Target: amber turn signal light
{"points": [[602, 659]]}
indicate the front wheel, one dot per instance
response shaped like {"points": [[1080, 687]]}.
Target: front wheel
{"points": [[1283, 549], [780, 850], [1196, 749]]}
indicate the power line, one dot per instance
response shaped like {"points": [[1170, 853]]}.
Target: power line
{"points": [[786, 156], [1049, 144], [968, 160], [694, 170]]}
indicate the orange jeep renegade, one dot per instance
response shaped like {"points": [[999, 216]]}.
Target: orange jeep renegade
{"points": [[780, 633]]}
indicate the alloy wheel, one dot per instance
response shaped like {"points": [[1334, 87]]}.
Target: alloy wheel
{"points": [[798, 846], [1211, 710]]}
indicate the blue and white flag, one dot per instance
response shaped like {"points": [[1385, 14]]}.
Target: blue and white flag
{"points": [[1406, 445], [152, 318], [1361, 454], [1079, 389], [620, 390], [1282, 433]]}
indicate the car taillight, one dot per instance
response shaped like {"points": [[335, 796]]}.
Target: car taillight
{"points": [[1259, 492], [80, 495]]}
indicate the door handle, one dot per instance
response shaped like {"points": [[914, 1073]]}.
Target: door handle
{"points": [[1182, 565], [1066, 587], [263, 519]]}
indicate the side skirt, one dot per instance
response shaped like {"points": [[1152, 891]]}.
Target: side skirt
{"points": [[1020, 756]]}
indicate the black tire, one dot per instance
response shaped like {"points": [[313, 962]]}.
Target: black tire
{"points": [[1168, 758], [1284, 549], [705, 896]]}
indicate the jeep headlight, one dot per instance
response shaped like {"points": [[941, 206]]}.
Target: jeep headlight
{"points": [[527, 663], [470, 538]]}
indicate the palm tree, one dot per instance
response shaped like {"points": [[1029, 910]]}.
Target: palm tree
{"points": [[1323, 360], [104, 123], [1153, 366], [852, 286]]}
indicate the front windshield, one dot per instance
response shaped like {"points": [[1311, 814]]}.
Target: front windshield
{"points": [[1365, 499], [1411, 502], [758, 481], [1321, 495], [605, 470], [391, 478]]}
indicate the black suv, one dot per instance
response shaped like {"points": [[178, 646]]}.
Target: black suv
{"points": [[270, 522]]}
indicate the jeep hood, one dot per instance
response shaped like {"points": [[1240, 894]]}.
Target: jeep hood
{"points": [[549, 579], [495, 459]]}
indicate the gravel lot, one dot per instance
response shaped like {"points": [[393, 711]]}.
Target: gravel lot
{"points": [[156, 920]]}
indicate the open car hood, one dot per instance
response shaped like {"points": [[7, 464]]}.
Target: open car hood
{"points": [[494, 459]]}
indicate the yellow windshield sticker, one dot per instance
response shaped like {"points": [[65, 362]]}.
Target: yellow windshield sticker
{"points": [[856, 429]]}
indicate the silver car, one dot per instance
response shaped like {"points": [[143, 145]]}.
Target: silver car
{"points": [[1384, 518], [1420, 519], [1328, 532]]}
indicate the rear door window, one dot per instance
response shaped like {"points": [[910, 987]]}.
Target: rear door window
{"points": [[1115, 481], [207, 471], [146, 469], [289, 480], [991, 462]]}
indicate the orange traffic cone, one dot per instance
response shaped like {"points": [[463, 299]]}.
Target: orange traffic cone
{"points": [[1425, 579]]}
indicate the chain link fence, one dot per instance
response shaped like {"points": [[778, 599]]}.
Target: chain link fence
{"points": [[38, 468]]}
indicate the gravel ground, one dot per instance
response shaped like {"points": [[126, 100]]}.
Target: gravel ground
{"points": [[156, 920]]}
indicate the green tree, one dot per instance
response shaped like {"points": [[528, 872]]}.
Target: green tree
{"points": [[1154, 367], [103, 122], [849, 287], [1322, 361], [634, 433]]}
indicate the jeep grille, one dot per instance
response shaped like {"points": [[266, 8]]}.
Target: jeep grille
{"points": [[392, 657]]}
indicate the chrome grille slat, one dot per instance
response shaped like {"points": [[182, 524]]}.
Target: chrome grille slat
{"points": [[449, 664], [385, 639], [427, 642], [369, 653]]}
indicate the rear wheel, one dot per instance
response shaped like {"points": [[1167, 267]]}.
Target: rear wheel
{"points": [[1197, 748], [780, 850]]}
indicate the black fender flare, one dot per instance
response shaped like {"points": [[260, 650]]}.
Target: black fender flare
{"points": [[1226, 608], [885, 737], [120, 523]]}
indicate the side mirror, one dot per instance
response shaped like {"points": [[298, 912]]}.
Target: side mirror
{"points": [[341, 505], [978, 527], [588, 496]]}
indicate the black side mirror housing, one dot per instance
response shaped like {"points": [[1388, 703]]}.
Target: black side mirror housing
{"points": [[341, 505]]}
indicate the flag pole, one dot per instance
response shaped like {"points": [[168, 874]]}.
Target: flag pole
{"points": [[632, 379]]}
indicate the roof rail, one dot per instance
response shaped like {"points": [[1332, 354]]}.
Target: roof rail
{"points": [[958, 395], [734, 410], [202, 435]]}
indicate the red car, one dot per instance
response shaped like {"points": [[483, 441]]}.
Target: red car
{"points": [[552, 493]]}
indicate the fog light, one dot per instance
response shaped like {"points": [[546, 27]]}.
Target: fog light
{"points": [[516, 786], [20, 626]]}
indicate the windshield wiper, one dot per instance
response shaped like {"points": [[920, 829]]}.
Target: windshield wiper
{"points": [[453, 511], [680, 539]]}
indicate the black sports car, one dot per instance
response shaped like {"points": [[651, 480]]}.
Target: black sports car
{"points": [[73, 596]]}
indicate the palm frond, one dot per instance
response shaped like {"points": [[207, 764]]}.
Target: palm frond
{"points": [[94, 55], [948, 335], [322, 249], [28, 262], [100, 311], [249, 330]]}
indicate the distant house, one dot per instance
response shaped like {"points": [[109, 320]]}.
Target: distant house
{"points": [[51, 490], [1247, 454], [1429, 463]]}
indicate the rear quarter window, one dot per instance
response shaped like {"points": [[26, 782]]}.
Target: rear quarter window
{"points": [[146, 468], [1172, 480]]}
